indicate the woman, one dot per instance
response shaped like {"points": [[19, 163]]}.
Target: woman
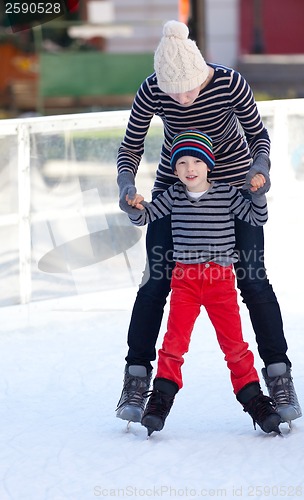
{"points": [[186, 92]]}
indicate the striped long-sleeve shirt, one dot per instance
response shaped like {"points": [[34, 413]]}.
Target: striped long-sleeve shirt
{"points": [[203, 229], [225, 110]]}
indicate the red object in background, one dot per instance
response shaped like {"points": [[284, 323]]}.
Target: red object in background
{"points": [[281, 25], [72, 5]]}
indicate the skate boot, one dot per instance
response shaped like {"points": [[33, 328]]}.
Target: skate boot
{"points": [[132, 402], [280, 386], [159, 404], [261, 408]]}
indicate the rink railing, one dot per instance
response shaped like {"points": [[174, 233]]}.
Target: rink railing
{"points": [[281, 119]]}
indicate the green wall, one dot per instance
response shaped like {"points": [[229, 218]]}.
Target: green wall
{"points": [[77, 74]]}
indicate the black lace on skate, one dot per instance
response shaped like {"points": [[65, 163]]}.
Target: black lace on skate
{"points": [[282, 391], [133, 393], [159, 403], [147, 394], [259, 408]]}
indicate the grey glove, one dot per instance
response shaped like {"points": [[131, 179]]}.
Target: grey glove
{"points": [[126, 184], [125, 207], [261, 165]]}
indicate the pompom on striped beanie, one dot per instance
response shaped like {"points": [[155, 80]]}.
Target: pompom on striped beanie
{"points": [[192, 143]]}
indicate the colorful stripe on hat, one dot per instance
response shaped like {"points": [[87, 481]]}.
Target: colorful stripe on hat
{"points": [[192, 143]]}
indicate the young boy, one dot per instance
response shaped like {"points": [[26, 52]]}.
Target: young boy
{"points": [[202, 218]]}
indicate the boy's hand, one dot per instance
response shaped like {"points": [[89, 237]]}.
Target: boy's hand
{"points": [[136, 201], [257, 182]]}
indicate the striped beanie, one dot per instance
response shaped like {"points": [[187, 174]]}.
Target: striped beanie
{"points": [[192, 143]]}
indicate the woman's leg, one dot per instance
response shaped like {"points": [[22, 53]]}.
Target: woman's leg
{"points": [[152, 294], [146, 320], [266, 319], [258, 295]]}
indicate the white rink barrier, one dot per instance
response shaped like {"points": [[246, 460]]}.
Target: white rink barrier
{"points": [[62, 232]]}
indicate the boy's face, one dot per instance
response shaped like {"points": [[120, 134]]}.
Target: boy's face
{"points": [[186, 98], [192, 172]]}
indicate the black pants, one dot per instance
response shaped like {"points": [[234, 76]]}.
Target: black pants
{"points": [[256, 292]]}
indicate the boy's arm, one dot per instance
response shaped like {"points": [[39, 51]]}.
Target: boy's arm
{"points": [[156, 209], [253, 211], [141, 217]]}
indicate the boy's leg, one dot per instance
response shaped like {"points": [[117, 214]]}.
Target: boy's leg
{"points": [[184, 309], [221, 305], [220, 300]]}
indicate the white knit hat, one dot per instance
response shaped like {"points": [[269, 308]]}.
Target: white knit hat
{"points": [[178, 63]]}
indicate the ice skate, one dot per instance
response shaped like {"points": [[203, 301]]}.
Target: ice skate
{"points": [[261, 408], [159, 404], [281, 389], [132, 402]]}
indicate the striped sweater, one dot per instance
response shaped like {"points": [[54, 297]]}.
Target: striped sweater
{"points": [[225, 110], [203, 229]]}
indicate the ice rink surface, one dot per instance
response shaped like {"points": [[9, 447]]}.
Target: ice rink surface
{"points": [[62, 364]]}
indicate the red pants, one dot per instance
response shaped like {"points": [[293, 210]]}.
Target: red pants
{"points": [[213, 286]]}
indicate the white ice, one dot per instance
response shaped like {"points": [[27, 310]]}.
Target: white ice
{"points": [[62, 366]]}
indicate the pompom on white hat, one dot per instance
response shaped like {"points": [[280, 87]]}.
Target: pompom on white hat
{"points": [[178, 63]]}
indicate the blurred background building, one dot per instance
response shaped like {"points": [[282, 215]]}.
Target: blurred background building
{"points": [[96, 55]]}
